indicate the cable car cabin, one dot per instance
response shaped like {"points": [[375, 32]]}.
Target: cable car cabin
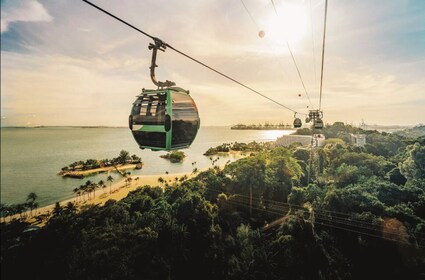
{"points": [[164, 119], [318, 123], [297, 123]]}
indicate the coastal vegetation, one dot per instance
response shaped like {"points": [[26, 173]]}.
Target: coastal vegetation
{"points": [[174, 156], [239, 147], [266, 126], [346, 212], [20, 209], [79, 169]]}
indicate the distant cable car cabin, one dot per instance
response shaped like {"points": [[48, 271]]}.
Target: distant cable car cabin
{"points": [[166, 118], [318, 123], [297, 123]]}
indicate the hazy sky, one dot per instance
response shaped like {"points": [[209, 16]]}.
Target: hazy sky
{"points": [[65, 63]]}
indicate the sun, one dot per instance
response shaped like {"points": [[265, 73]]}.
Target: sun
{"points": [[289, 25]]}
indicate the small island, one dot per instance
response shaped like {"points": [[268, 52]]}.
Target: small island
{"points": [[80, 169], [239, 147], [174, 156]]}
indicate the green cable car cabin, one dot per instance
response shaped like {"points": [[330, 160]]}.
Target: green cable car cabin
{"points": [[164, 119]]}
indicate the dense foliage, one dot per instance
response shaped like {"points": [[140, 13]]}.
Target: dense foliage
{"points": [[123, 158], [239, 147], [362, 216], [174, 156]]}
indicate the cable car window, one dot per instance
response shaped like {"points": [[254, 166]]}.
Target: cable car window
{"points": [[150, 139], [185, 120], [150, 109], [184, 108]]}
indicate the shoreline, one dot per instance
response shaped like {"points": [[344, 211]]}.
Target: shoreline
{"points": [[120, 189]]}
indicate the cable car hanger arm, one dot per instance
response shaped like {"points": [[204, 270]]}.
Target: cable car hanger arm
{"points": [[159, 45]]}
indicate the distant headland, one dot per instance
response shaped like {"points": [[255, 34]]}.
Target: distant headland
{"points": [[266, 126]]}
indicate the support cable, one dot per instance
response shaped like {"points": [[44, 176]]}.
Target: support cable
{"points": [[323, 53], [313, 43], [252, 18], [293, 59], [191, 58]]}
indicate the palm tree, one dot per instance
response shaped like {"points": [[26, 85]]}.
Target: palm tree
{"points": [[110, 179], [88, 188], [102, 185], [83, 190], [32, 196], [70, 207], [34, 206], [76, 192], [20, 208], [161, 181], [57, 210], [93, 187], [195, 170], [30, 201]]}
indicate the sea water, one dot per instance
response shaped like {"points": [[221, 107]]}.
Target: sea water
{"points": [[32, 157]]}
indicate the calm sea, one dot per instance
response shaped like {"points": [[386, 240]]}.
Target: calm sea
{"points": [[32, 157]]}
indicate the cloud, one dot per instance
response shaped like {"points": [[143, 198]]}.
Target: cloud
{"points": [[22, 10]]}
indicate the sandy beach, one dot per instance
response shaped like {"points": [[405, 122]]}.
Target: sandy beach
{"points": [[120, 190]]}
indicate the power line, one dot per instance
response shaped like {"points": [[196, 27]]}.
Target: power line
{"points": [[279, 209], [323, 53], [191, 58], [299, 73]]}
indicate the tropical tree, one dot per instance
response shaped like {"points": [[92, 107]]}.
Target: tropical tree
{"points": [[88, 188], [110, 179], [83, 190], [102, 185], [32, 196], [161, 181], [70, 208], [30, 202], [123, 157], [76, 192], [57, 210]]}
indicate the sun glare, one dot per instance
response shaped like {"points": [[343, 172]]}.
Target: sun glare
{"points": [[289, 25]]}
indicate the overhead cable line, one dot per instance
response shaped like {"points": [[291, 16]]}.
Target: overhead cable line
{"points": [[191, 58], [389, 236], [293, 59], [252, 18], [313, 43], [323, 53], [346, 225]]}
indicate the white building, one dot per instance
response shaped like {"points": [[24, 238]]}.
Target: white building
{"points": [[358, 139]]}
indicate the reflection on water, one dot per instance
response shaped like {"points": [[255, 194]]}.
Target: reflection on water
{"points": [[31, 157], [272, 135]]}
